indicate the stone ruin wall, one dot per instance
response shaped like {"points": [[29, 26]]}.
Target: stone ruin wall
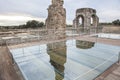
{"points": [[56, 19]]}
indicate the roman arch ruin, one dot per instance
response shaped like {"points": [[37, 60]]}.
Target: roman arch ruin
{"points": [[88, 17]]}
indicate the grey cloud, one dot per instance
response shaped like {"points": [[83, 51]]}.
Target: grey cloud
{"points": [[38, 8], [34, 7]]}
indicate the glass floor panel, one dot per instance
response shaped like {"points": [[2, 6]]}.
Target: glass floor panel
{"points": [[66, 60]]}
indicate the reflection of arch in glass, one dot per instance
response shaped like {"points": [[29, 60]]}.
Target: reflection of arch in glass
{"points": [[84, 44], [57, 53]]}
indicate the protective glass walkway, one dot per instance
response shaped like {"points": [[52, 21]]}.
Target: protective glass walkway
{"points": [[66, 60]]}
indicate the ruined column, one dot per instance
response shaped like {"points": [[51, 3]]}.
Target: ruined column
{"points": [[56, 19]]}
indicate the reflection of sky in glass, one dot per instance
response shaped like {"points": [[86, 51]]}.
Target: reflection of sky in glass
{"points": [[65, 60]]}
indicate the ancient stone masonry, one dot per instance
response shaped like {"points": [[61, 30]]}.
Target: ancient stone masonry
{"points": [[56, 19], [87, 16]]}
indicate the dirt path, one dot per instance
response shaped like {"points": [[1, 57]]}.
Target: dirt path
{"points": [[7, 71]]}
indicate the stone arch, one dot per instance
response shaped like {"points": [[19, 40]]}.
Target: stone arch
{"points": [[87, 14]]}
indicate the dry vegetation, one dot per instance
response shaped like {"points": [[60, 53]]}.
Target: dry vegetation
{"points": [[111, 29]]}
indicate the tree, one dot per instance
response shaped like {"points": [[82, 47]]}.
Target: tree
{"points": [[116, 22], [68, 25], [41, 24], [29, 24], [34, 24]]}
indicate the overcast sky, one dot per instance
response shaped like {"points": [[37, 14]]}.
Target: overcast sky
{"points": [[13, 12]]}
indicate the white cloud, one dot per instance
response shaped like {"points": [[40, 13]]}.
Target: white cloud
{"points": [[109, 15], [17, 19]]}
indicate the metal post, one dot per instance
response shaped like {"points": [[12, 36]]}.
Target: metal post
{"points": [[22, 46], [0, 43], [119, 58], [96, 35], [72, 33]]}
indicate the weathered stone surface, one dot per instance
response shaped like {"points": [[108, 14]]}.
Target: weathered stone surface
{"points": [[86, 14], [57, 18]]}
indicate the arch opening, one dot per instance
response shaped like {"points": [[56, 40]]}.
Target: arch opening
{"points": [[93, 20], [80, 21]]}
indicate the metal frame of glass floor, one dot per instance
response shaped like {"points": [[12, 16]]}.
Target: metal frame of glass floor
{"points": [[66, 60]]}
